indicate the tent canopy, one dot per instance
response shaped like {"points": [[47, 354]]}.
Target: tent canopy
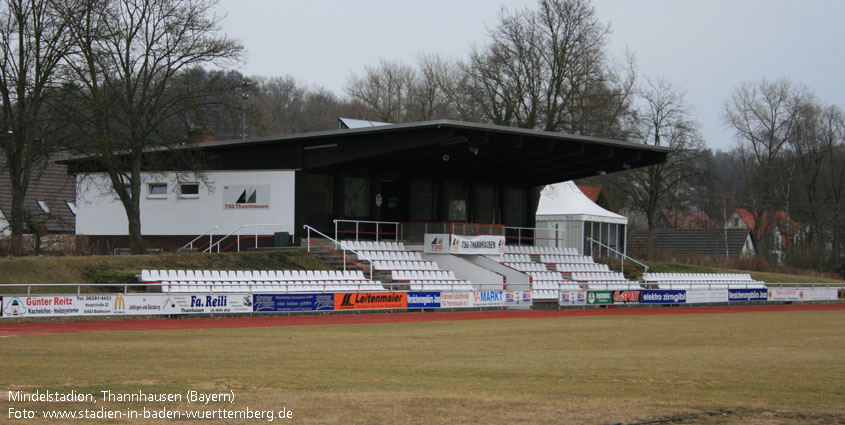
{"points": [[565, 202]]}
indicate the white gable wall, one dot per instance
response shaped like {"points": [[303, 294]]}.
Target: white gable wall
{"points": [[99, 211]]}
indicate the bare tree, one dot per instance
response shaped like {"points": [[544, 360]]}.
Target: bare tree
{"points": [[663, 119], [547, 69], [383, 92], [129, 68], [32, 43]]}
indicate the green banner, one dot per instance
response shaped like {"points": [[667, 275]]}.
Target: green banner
{"points": [[599, 297]]}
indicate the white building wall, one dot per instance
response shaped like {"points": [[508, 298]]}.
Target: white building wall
{"points": [[99, 211]]}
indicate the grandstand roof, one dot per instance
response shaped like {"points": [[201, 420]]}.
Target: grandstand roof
{"points": [[442, 148]]}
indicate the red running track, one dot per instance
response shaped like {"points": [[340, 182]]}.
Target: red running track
{"points": [[39, 328]]}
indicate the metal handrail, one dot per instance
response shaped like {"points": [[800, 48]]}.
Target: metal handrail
{"points": [[190, 245], [616, 251], [217, 244], [535, 231], [359, 222], [343, 246]]}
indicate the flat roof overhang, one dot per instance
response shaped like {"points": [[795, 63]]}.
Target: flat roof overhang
{"points": [[442, 149]]}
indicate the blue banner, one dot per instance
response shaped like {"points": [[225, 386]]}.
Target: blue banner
{"points": [[423, 299], [761, 294], [663, 297], [292, 302]]}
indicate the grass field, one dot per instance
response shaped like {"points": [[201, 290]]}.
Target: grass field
{"points": [[759, 368]]}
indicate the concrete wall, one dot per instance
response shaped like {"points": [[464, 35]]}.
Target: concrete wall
{"points": [[99, 211]]}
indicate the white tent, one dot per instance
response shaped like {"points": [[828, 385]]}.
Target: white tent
{"points": [[572, 219]]}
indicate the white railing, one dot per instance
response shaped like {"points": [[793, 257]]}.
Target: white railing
{"points": [[337, 244], [238, 236], [622, 256], [209, 233], [358, 224]]}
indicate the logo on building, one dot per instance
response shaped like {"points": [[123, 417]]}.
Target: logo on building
{"points": [[246, 197]]}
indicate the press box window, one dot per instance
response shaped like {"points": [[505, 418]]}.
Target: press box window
{"points": [[157, 190], [189, 190]]}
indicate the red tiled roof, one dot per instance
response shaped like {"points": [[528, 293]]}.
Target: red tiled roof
{"points": [[592, 192]]}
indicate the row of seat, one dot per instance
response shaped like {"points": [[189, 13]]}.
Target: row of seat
{"points": [[613, 286], [659, 277], [515, 258], [712, 284], [409, 275], [373, 246], [546, 275], [390, 255], [592, 267], [537, 250], [527, 267], [566, 259], [405, 265], [597, 276], [561, 285], [152, 276], [544, 294], [441, 285], [173, 287]]}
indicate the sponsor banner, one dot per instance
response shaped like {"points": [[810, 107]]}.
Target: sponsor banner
{"points": [[88, 305], [747, 295], [626, 297], [518, 298], [456, 299], [706, 296], [599, 297], [842, 294], [292, 302], [423, 299], [207, 304], [663, 297], [246, 197], [478, 245], [436, 243], [370, 300], [573, 297], [488, 299], [819, 294], [779, 294]]}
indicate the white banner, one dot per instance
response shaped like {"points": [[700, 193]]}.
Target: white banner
{"points": [[488, 299], [777, 294], [819, 294], [436, 243], [455, 299], [477, 245], [573, 298], [124, 304], [705, 296], [514, 298]]}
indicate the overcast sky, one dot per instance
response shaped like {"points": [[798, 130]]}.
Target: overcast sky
{"points": [[706, 47]]}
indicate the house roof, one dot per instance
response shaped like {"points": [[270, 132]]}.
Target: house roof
{"points": [[766, 221], [591, 192], [443, 149], [681, 219], [50, 184], [698, 241]]}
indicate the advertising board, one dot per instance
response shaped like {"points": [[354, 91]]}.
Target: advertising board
{"points": [[455, 299], [370, 300], [292, 302], [819, 294], [516, 298], [488, 299], [573, 298], [599, 297], [423, 299], [626, 297], [706, 296], [783, 294], [736, 295], [477, 245], [436, 243], [665, 296]]}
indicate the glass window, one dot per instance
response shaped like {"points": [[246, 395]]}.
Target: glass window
{"points": [[71, 206], [484, 207], [157, 190], [357, 192], [514, 209], [44, 207], [456, 202], [189, 190], [319, 195], [422, 200]]}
